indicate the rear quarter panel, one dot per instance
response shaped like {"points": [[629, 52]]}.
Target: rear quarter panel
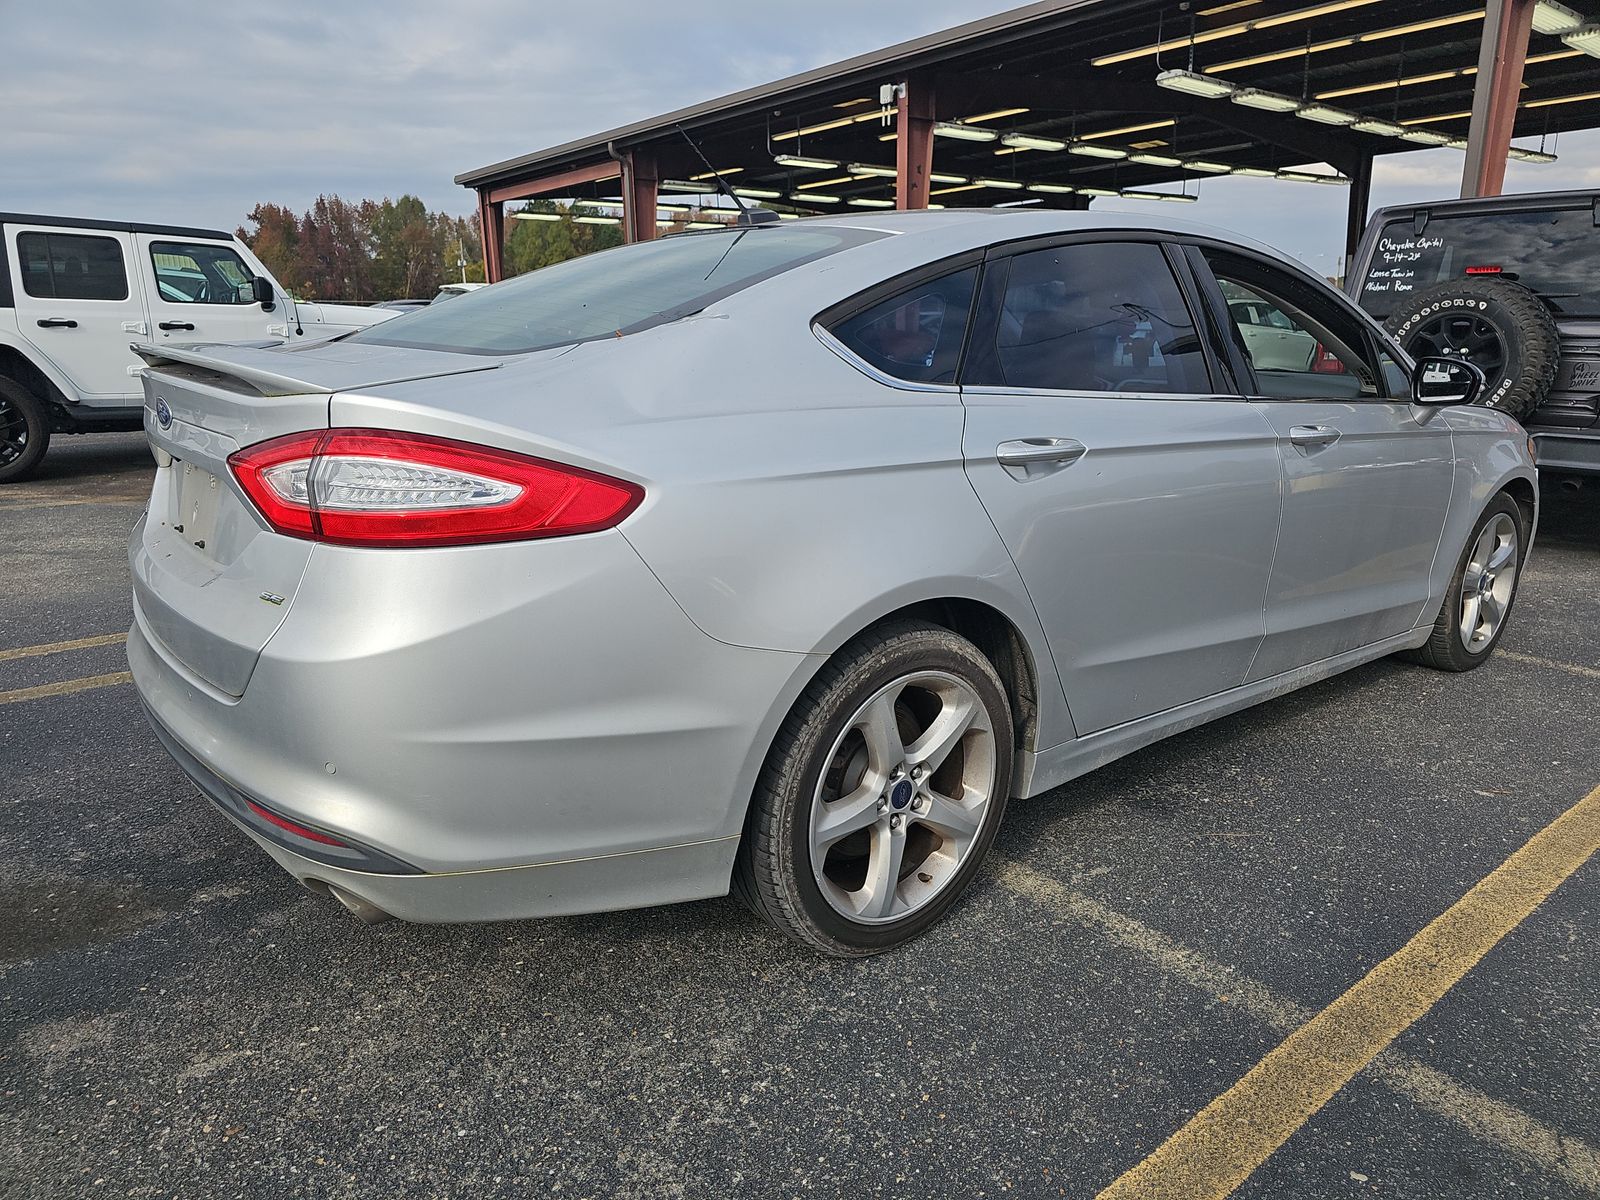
{"points": [[1491, 450]]}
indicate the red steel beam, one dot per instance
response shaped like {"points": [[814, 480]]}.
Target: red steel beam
{"points": [[492, 228], [543, 185], [1506, 27], [640, 180], [914, 147]]}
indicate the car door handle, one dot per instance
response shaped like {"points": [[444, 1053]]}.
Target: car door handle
{"points": [[176, 325], [1023, 451], [1313, 435], [57, 323]]}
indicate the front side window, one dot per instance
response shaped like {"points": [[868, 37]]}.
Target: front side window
{"points": [[198, 273], [72, 266], [1094, 317], [614, 292], [1301, 345], [915, 335]]}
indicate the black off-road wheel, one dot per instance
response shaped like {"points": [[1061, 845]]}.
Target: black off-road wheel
{"points": [[1498, 325], [881, 794], [24, 431], [1478, 604]]}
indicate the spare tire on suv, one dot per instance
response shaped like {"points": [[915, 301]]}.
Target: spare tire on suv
{"points": [[1496, 324]]}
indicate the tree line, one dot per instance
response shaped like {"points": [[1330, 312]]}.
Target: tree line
{"points": [[397, 249]]}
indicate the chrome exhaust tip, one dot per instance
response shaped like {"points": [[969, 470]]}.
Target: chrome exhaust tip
{"points": [[362, 910]]}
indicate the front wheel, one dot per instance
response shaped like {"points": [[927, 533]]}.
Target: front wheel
{"points": [[24, 432], [881, 794], [1479, 601]]}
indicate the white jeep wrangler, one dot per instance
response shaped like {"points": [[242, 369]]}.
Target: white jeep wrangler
{"points": [[75, 293]]}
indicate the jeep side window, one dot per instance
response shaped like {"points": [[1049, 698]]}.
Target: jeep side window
{"points": [[197, 273], [72, 266]]}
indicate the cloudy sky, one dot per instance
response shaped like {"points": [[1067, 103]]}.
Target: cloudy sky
{"points": [[183, 111]]}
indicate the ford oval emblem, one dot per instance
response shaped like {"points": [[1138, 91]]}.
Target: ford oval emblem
{"points": [[163, 413]]}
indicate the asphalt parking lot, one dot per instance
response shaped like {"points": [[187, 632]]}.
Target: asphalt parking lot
{"points": [[179, 1018]]}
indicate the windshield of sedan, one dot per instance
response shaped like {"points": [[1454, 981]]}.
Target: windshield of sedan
{"points": [[613, 292]]}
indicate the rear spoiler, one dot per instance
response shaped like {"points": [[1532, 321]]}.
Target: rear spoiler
{"points": [[266, 382], [268, 369]]}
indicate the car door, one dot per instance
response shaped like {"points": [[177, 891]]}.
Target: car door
{"points": [[200, 291], [1138, 495], [79, 306], [1367, 476]]}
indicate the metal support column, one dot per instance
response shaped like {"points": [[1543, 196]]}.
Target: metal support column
{"points": [[1506, 26], [492, 228], [914, 146], [640, 180], [1356, 215]]}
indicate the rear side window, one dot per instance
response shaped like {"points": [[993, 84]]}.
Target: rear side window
{"points": [[72, 266], [198, 273], [614, 292], [916, 334], [1093, 317]]}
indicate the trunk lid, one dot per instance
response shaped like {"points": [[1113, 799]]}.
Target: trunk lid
{"points": [[211, 585]]}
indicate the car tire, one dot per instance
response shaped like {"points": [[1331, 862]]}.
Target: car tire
{"points": [[919, 826], [24, 431], [1464, 636], [1501, 326]]}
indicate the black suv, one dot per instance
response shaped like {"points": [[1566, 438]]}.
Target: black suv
{"points": [[1511, 283]]}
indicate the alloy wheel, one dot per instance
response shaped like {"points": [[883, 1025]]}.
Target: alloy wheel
{"points": [[1487, 583], [903, 797], [13, 432]]}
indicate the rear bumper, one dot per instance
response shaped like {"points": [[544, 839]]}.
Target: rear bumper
{"points": [[1573, 451]]}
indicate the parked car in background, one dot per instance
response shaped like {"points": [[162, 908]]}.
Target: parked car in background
{"points": [[1271, 337], [1511, 284], [451, 290], [459, 620], [74, 293]]}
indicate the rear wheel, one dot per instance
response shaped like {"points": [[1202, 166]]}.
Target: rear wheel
{"points": [[881, 794], [1480, 598], [24, 431]]}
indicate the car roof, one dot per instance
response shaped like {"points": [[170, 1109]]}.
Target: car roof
{"points": [[11, 218], [1516, 201]]}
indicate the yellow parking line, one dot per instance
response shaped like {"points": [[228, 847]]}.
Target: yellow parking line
{"points": [[66, 687], [1534, 660], [1238, 1131], [1562, 1155], [101, 639]]}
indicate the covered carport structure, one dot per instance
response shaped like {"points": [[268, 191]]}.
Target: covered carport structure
{"points": [[1060, 102]]}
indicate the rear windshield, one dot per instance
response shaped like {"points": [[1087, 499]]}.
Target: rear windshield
{"points": [[613, 292], [1556, 253]]}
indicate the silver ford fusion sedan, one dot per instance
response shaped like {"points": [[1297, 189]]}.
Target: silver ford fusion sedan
{"points": [[780, 558]]}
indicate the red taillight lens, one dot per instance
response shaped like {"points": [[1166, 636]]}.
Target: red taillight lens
{"points": [[1325, 362], [374, 487]]}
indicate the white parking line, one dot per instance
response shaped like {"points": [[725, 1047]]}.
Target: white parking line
{"points": [[1534, 660]]}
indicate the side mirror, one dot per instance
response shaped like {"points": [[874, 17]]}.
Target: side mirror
{"points": [[263, 293], [1439, 381]]}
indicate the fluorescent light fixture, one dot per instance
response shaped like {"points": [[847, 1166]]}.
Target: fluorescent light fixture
{"points": [[959, 187], [1094, 150], [1313, 177], [757, 193], [1096, 191], [536, 216], [1426, 137], [868, 202], [1381, 128], [814, 198], [1154, 160], [817, 183], [809, 164], [1170, 197], [1054, 189], [1263, 99], [1026, 141], [1457, 143], [683, 185], [1010, 185], [1326, 114], [1585, 38], [1201, 164], [673, 207], [965, 133], [872, 169], [995, 115], [598, 220], [725, 172], [1550, 17], [1522, 154], [936, 177], [1195, 84], [1256, 172]]}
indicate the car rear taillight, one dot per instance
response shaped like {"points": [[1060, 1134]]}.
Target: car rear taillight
{"points": [[1325, 362], [294, 827], [375, 487]]}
